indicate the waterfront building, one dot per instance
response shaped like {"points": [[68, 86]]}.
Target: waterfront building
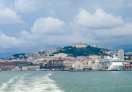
{"points": [[77, 66], [30, 68], [7, 66], [22, 63], [68, 64], [55, 63], [116, 66], [127, 66], [88, 64], [17, 68]]}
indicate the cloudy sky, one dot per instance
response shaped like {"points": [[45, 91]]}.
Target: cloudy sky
{"points": [[31, 25]]}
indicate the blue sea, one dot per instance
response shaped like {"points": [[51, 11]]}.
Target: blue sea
{"points": [[64, 81]]}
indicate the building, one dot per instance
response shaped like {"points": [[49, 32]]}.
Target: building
{"points": [[30, 68], [89, 64], [120, 54], [80, 45], [68, 64], [77, 66], [63, 55], [127, 66], [55, 64], [7, 66], [117, 55], [116, 66], [128, 56]]}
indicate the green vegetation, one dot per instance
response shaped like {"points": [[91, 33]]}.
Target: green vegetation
{"points": [[20, 55], [89, 50]]}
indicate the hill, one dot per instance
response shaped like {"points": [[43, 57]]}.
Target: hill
{"points": [[85, 51]]}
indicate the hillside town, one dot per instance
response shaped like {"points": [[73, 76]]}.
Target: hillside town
{"points": [[112, 60]]}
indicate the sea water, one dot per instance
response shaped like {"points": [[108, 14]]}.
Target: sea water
{"points": [[62, 81]]}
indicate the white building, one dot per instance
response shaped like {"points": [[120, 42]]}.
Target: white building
{"points": [[117, 55], [77, 65], [30, 68], [60, 55], [88, 64], [120, 54], [116, 66]]}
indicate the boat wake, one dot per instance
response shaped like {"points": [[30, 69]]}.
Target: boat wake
{"points": [[31, 84], [4, 87]]}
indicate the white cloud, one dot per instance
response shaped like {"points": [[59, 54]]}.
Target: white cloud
{"points": [[8, 16], [99, 19], [101, 27], [46, 25], [37, 36], [7, 41]]}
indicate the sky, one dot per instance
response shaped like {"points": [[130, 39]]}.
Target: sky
{"points": [[33, 25]]}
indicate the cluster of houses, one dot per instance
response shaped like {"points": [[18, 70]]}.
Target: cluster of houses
{"points": [[114, 60], [8, 65]]}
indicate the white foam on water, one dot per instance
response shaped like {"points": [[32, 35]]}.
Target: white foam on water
{"points": [[36, 84], [5, 85]]}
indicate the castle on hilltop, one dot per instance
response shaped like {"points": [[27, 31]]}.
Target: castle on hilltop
{"points": [[80, 45]]}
